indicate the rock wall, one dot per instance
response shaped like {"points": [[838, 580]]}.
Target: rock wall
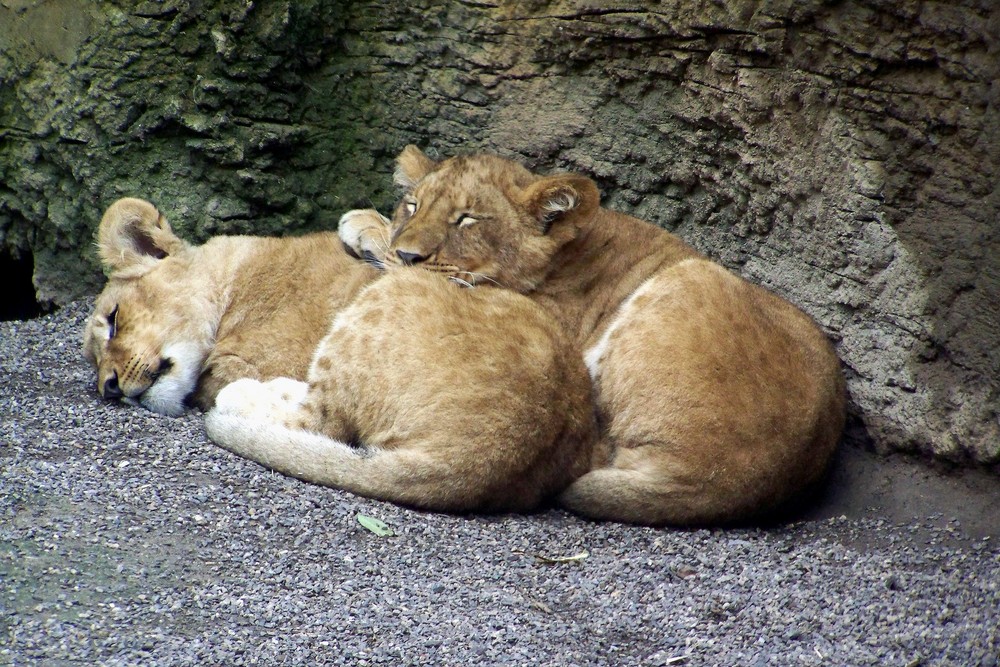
{"points": [[843, 154], [202, 107]]}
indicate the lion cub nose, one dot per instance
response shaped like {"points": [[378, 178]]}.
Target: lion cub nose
{"points": [[410, 258], [111, 388]]}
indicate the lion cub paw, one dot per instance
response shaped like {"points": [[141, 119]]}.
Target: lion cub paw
{"points": [[274, 400], [242, 397], [365, 233], [288, 391]]}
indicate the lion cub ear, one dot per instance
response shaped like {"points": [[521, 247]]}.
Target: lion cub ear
{"points": [[411, 167], [134, 234], [553, 198]]}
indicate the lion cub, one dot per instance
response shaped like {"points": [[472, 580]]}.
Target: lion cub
{"points": [[718, 400], [178, 321], [425, 394]]}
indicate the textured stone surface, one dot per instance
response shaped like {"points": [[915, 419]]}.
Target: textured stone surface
{"points": [[843, 154], [203, 108]]}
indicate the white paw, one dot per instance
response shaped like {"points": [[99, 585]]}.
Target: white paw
{"points": [[275, 401], [365, 231], [288, 391], [242, 397]]}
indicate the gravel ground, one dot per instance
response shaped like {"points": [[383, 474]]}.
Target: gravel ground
{"points": [[128, 538]]}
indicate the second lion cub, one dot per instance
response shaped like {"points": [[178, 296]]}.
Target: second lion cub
{"points": [[718, 400], [426, 394]]}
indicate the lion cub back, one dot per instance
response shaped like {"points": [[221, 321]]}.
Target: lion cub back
{"points": [[481, 381]]}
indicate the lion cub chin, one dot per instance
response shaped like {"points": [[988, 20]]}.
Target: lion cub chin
{"points": [[425, 394]]}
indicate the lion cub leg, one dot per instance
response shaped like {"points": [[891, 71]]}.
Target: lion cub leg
{"points": [[279, 398], [281, 402], [720, 401], [275, 424]]}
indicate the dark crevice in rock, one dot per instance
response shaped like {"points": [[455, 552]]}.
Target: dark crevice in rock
{"points": [[18, 301]]}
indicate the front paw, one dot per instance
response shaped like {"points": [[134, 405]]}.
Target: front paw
{"points": [[274, 400], [245, 397], [288, 392], [365, 234]]}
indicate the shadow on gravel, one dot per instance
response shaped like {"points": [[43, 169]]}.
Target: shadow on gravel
{"points": [[897, 488]]}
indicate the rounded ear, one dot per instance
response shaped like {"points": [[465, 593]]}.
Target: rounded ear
{"points": [[553, 198], [134, 234], [411, 166]]}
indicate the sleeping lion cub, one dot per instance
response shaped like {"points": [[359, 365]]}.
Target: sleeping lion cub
{"points": [[717, 400], [420, 392], [426, 394], [177, 322]]}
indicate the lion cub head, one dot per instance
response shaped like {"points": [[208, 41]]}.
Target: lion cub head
{"points": [[151, 329], [479, 219]]}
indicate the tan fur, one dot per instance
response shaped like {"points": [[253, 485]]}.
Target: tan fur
{"points": [[718, 400], [455, 400], [194, 318]]}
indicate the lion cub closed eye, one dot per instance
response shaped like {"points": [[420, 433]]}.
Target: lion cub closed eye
{"points": [[426, 394]]}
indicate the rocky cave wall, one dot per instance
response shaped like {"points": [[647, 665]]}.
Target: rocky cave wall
{"points": [[843, 154]]}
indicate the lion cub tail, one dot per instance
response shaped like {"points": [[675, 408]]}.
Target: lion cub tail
{"points": [[639, 497], [407, 476], [308, 456]]}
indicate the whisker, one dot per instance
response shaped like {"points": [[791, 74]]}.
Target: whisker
{"points": [[384, 245], [456, 279], [377, 239], [481, 276], [146, 370]]}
